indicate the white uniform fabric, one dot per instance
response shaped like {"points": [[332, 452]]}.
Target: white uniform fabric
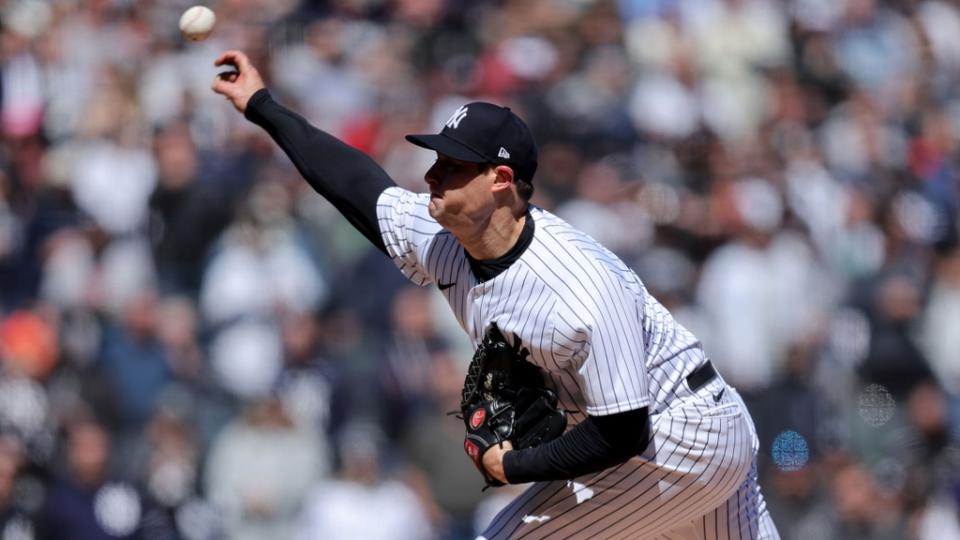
{"points": [[606, 346]]}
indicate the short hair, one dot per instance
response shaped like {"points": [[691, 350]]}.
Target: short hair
{"points": [[524, 188], [524, 185]]}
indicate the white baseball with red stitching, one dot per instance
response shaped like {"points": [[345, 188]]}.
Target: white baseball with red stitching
{"points": [[197, 22]]}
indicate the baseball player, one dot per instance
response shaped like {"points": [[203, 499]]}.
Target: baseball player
{"points": [[657, 444]]}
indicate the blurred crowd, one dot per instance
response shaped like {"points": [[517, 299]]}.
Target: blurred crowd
{"points": [[194, 345]]}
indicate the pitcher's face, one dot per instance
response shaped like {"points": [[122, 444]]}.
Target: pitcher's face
{"points": [[459, 190]]}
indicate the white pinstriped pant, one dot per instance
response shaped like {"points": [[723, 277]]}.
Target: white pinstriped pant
{"points": [[697, 480]]}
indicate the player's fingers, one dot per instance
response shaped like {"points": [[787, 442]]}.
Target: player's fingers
{"points": [[224, 58], [227, 57], [234, 58], [221, 85]]}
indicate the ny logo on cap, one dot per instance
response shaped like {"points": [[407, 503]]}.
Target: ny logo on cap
{"points": [[454, 121]]}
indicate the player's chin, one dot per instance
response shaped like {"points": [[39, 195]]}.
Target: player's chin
{"points": [[435, 206], [439, 213]]}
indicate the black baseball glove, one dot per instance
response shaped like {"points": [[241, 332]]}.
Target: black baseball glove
{"points": [[504, 399]]}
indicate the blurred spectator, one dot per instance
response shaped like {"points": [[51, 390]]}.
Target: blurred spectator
{"points": [[796, 501], [260, 469], [28, 345], [875, 45], [894, 361], [25, 411], [928, 446], [15, 522], [861, 509], [318, 73], [364, 500], [171, 460], [434, 443], [365, 286], [260, 266], [115, 173], [69, 270], [941, 314], [81, 503], [407, 373], [135, 367], [601, 210], [188, 214], [759, 291], [793, 402], [312, 385], [246, 359]]}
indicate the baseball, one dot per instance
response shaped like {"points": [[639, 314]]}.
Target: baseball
{"points": [[197, 22]]}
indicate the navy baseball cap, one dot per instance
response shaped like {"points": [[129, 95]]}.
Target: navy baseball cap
{"points": [[482, 132]]}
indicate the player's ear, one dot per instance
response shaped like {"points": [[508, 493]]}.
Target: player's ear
{"points": [[504, 178]]}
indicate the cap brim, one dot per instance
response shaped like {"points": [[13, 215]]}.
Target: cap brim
{"points": [[447, 146]]}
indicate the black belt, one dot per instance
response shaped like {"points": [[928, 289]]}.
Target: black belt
{"points": [[701, 376]]}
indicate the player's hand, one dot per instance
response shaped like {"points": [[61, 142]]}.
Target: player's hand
{"points": [[493, 460], [241, 83]]}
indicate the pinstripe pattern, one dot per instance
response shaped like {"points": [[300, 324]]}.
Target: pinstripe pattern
{"points": [[607, 346], [699, 471]]}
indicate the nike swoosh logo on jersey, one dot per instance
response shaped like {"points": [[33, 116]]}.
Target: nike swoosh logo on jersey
{"points": [[445, 286], [530, 519], [716, 398]]}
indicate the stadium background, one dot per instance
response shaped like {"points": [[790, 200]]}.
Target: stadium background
{"points": [[194, 345]]}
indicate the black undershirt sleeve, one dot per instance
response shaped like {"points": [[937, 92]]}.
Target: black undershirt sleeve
{"points": [[345, 176], [592, 445]]}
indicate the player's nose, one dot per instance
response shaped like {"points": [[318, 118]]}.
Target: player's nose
{"points": [[432, 178]]}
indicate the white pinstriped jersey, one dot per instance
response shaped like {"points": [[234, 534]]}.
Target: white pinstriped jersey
{"points": [[607, 345]]}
